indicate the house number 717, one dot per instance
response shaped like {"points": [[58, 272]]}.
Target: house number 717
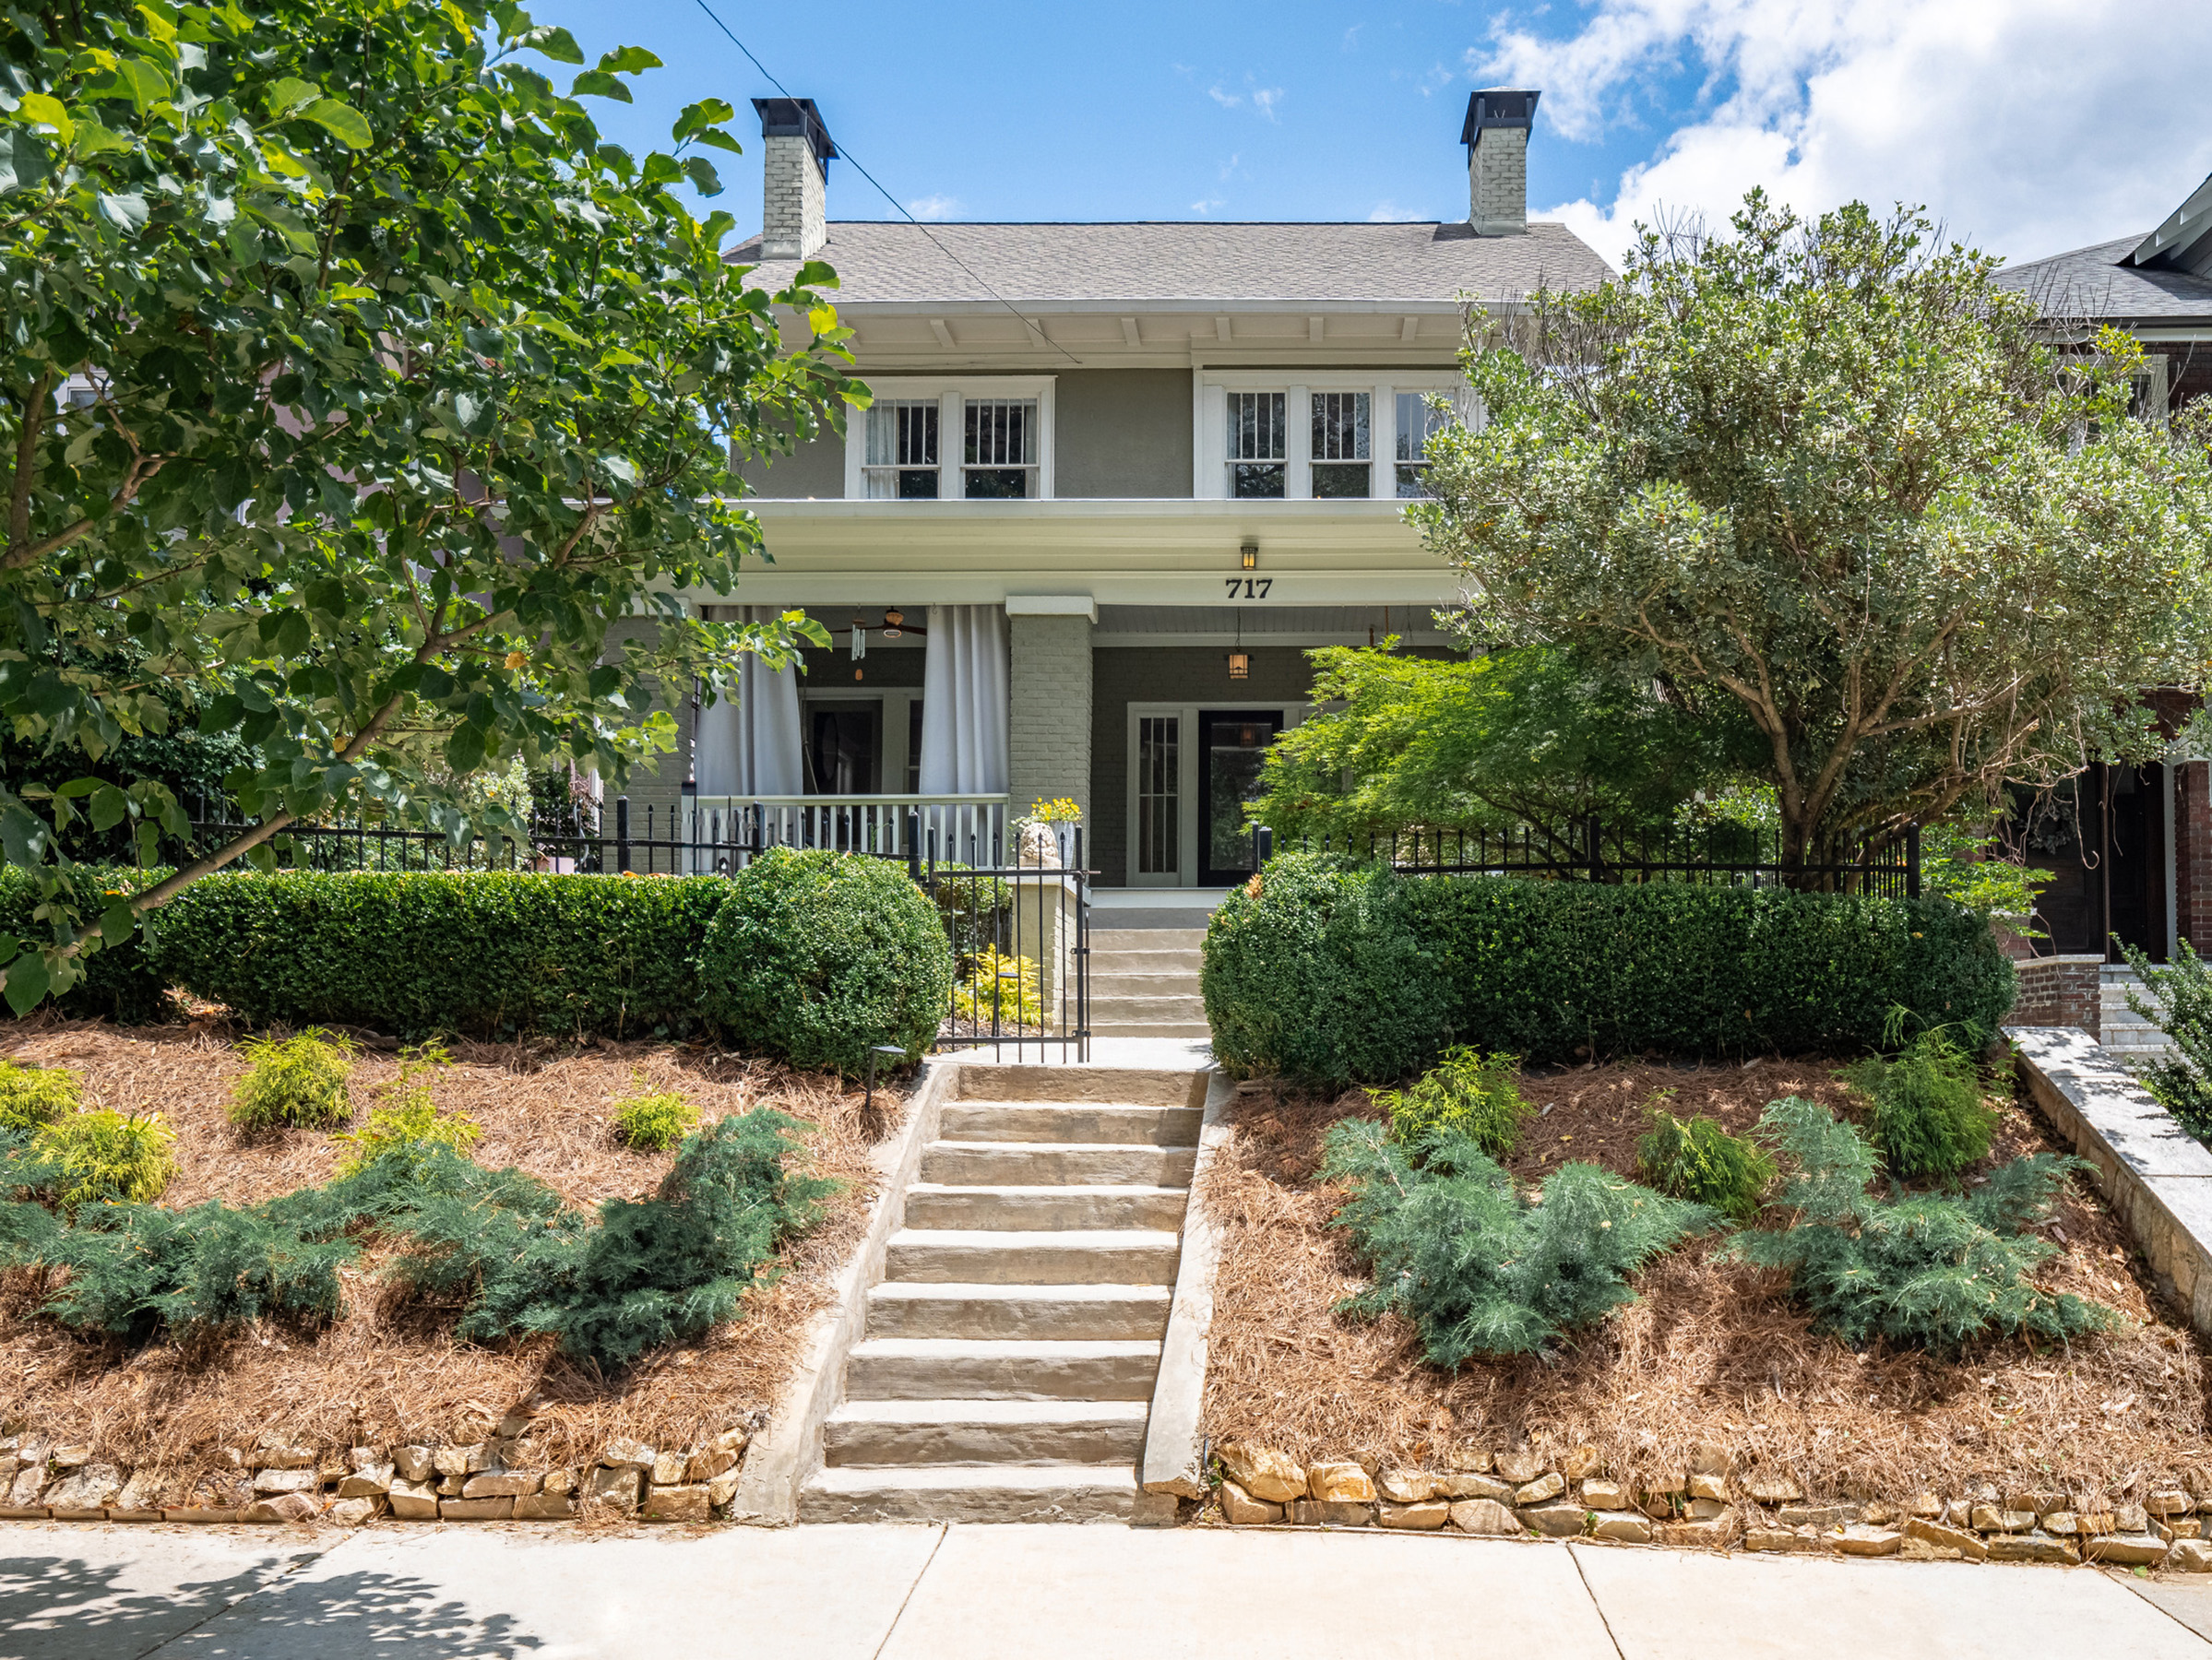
{"points": [[1250, 587]]}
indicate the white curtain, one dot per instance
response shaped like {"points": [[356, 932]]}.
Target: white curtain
{"points": [[964, 701], [751, 744]]}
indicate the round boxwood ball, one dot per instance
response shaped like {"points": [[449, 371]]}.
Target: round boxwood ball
{"points": [[819, 956]]}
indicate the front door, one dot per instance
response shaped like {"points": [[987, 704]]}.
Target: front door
{"points": [[1232, 745]]}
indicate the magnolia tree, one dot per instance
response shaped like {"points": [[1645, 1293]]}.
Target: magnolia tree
{"points": [[1828, 474], [352, 391]]}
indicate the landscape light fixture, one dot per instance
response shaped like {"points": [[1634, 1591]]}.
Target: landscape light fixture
{"points": [[1251, 552], [874, 1053]]}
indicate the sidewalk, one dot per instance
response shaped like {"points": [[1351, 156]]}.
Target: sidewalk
{"points": [[116, 1593]]}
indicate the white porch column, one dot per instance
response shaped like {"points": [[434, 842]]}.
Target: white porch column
{"points": [[1049, 720]]}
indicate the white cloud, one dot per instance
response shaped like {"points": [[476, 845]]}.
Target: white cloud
{"points": [[1228, 101], [1390, 213], [2028, 127], [1208, 205], [933, 207], [1264, 99]]}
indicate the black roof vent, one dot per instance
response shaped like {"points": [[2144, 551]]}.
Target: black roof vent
{"points": [[796, 118], [1498, 107]]}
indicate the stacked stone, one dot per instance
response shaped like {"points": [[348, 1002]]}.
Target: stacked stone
{"points": [[492, 1480], [1521, 1492]]}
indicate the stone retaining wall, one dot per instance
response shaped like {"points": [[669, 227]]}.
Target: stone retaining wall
{"points": [[1517, 1494], [492, 1480]]}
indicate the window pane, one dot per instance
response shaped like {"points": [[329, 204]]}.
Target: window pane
{"points": [[1255, 427], [1337, 480], [1260, 481], [997, 483], [918, 484], [1416, 423], [1159, 783], [1340, 427], [903, 433], [1412, 481], [1000, 432]]}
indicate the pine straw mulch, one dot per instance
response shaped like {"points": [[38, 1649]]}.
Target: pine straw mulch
{"points": [[389, 1371], [1710, 1354]]}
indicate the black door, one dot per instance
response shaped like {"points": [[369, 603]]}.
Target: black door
{"points": [[1232, 745], [2135, 865]]}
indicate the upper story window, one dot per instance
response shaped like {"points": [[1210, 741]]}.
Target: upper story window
{"points": [[1329, 434], [902, 450], [1257, 455], [989, 438], [1343, 465]]}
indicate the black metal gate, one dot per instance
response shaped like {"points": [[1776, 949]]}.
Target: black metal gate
{"points": [[1021, 939]]}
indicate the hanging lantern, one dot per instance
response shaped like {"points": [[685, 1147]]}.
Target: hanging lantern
{"points": [[1239, 665]]}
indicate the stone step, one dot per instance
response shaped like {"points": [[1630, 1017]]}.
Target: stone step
{"points": [[1195, 1031], [931, 1368], [1092, 1205], [959, 1493], [1093, 1313], [1123, 1085], [1121, 1256], [1145, 962], [880, 1433], [1114, 940], [1150, 1005], [1088, 1122], [1040, 1164], [1117, 983]]}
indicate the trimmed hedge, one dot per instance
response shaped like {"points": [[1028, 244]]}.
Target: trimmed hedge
{"points": [[820, 957], [489, 954], [122, 984], [1333, 973]]}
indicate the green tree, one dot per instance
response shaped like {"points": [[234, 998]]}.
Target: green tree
{"points": [[1538, 736], [1830, 471], [354, 390]]}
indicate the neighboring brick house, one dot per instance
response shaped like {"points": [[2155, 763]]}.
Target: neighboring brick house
{"points": [[2132, 847], [1118, 478]]}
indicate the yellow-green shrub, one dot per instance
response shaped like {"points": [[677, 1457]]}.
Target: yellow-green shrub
{"points": [[1000, 988], [407, 1117], [654, 1121], [300, 1081], [31, 1096], [105, 1158], [1467, 1092]]}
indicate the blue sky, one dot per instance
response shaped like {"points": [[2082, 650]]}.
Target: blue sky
{"points": [[2027, 125]]}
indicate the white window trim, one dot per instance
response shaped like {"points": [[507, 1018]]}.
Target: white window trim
{"points": [[1209, 415], [1186, 873], [951, 391]]}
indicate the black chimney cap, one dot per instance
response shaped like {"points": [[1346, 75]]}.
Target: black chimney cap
{"points": [[1498, 107], [795, 118]]}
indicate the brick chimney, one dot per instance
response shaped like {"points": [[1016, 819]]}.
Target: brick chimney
{"points": [[795, 220], [1496, 135]]}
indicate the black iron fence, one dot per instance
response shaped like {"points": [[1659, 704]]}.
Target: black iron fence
{"points": [[1587, 850], [1020, 938]]}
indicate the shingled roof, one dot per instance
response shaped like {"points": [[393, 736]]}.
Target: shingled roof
{"points": [[2097, 285], [1189, 263]]}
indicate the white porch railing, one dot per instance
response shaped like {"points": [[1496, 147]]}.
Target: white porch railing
{"points": [[966, 829]]}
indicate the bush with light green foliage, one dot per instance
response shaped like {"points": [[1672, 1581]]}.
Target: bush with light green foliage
{"points": [[406, 1118], [1929, 1117], [1695, 1158], [1465, 1093], [2177, 999], [103, 1157], [1478, 1267], [300, 1081], [31, 1096], [1927, 1270], [654, 1121]]}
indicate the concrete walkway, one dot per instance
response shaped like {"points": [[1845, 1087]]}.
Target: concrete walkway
{"points": [[928, 1592]]}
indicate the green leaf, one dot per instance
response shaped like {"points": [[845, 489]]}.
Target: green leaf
{"points": [[598, 83], [26, 981], [48, 112], [704, 179], [342, 121], [92, 139], [143, 83], [629, 60], [124, 211], [286, 95], [118, 924], [695, 118], [110, 808], [465, 749], [555, 43]]}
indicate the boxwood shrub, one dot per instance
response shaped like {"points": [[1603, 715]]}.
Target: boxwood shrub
{"points": [[122, 984], [820, 957], [488, 954], [1327, 972]]}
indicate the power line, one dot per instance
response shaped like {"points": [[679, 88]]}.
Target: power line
{"points": [[845, 155]]}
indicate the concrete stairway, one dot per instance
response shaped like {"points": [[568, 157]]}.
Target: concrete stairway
{"points": [[2132, 1038], [1007, 1367], [1145, 947]]}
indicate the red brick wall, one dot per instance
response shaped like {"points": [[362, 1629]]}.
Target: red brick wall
{"points": [[2192, 852], [2059, 991]]}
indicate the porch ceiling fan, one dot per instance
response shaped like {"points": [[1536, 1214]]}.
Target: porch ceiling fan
{"points": [[893, 625]]}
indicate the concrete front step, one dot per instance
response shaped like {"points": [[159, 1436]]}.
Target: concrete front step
{"points": [[1070, 1121], [975, 1368], [959, 1493], [1092, 1313], [1118, 1256], [1146, 962], [1042, 1164], [882, 1433], [1096, 1205], [1197, 1031], [1145, 939], [1149, 982]]}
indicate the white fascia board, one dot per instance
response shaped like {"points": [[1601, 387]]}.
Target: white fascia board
{"points": [[785, 588], [1052, 605], [1180, 306]]}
